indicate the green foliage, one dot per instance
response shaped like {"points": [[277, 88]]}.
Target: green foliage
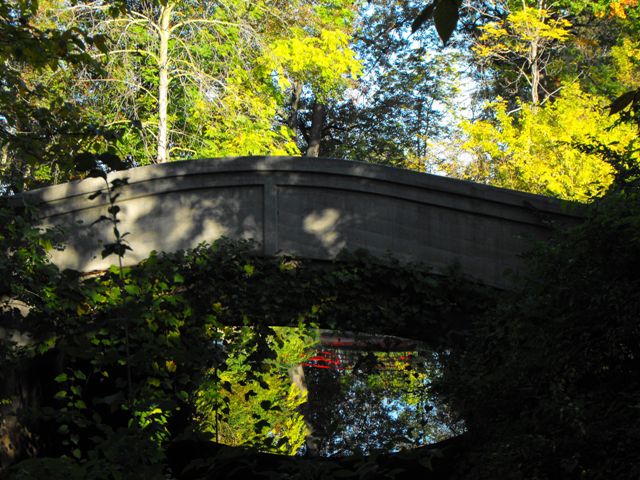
{"points": [[82, 81], [43, 134], [139, 359], [535, 149], [398, 108], [229, 65], [259, 410], [547, 383]]}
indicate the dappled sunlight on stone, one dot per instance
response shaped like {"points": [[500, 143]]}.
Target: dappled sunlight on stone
{"points": [[306, 208], [323, 226]]}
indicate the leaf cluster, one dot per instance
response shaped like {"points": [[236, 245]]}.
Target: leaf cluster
{"points": [[547, 382], [131, 351], [42, 132]]}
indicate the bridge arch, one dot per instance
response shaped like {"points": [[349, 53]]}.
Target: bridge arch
{"points": [[311, 208]]}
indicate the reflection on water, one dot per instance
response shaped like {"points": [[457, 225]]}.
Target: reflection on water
{"points": [[302, 391]]}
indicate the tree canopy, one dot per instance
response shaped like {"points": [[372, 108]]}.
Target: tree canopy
{"points": [[123, 84]]}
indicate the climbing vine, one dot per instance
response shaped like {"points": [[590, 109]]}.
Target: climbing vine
{"points": [[543, 378], [141, 356]]}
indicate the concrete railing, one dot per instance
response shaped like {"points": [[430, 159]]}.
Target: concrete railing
{"points": [[312, 208]]}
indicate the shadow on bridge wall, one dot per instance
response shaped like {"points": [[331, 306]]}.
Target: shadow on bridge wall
{"points": [[312, 208]]}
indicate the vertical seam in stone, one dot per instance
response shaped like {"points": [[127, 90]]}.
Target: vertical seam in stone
{"points": [[270, 217]]}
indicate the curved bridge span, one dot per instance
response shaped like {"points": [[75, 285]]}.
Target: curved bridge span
{"points": [[311, 208]]}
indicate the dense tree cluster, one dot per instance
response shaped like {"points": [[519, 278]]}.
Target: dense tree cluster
{"points": [[547, 381], [547, 73], [130, 83], [108, 376]]}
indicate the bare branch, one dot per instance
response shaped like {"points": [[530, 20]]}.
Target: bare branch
{"points": [[125, 82], [209, 21], [129, 50]]}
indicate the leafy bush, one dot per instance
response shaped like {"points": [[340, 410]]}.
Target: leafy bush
{"points": [[548, 382], [131, 352]]}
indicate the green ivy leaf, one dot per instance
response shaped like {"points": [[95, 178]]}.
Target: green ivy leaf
{"points": [[132, 289], [60, 395], [248, 269]]}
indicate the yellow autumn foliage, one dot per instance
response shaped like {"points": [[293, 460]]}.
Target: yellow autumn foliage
{"points": [[626, 60], [518, 30], [270, 397], [535, 149], [325, 61]]}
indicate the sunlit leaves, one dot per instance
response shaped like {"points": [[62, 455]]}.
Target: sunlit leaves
{"points": [[520, 32], [625, 56], [259, 403], [43, 131], [534, 149], [326, 62]]}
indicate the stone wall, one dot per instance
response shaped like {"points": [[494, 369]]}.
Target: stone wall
{"points": [[311, 208]]}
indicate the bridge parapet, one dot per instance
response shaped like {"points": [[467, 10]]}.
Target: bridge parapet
{"points": [[311, 208]]}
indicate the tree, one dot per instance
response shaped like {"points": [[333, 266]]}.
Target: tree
{"points": [[595, 26], [446, 13], [166, 62], [43, 134], [396, 112], [316, 65], [202, 79], [538, 149], [524, 40], [536, 71]]}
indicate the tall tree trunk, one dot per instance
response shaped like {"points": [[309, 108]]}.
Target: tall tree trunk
{"points": [[317, 121], [534, 60], [296, 92], [535, 73], [163, 86]]}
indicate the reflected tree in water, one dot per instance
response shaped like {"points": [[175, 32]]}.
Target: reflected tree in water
{"points": [[374, 402], [300, 396]]}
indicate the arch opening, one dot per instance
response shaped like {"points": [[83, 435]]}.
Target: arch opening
{"points": [[329, 394]]}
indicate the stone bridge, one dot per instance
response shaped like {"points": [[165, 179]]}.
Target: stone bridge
{"points": [[311, 208]]}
